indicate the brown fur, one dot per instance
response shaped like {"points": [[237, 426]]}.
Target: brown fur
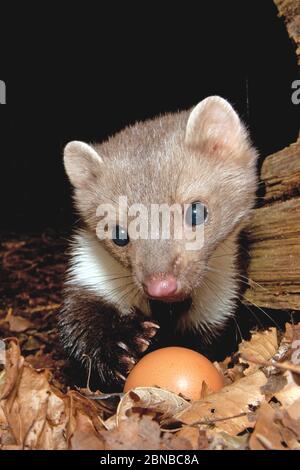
{"points": [[203, 155]]}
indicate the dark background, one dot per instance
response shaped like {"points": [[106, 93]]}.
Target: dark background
{"points": [[84, 76]]}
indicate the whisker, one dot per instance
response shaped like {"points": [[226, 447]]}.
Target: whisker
{"points": [[136, 294], [252, 281], [267, 315], [259, 308], [254, 315], [116, 278], [109, 279], [234, 319], [210, 287], [240, 276], [216, 287], [238, 329], [240, 247], [118, 290], [127, 294], [116, 275], [220, 256]]}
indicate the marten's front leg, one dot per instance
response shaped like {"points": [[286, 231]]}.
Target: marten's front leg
{"points": [[90, 327]]}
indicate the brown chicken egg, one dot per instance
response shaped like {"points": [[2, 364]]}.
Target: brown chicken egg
{"points": [[176, 369]]}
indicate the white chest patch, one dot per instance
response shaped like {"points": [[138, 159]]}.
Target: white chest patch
{"points": [[93, 268]]}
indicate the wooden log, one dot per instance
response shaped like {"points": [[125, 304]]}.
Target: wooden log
{"points": [[274, 234], [281, 174], [290, 10]]}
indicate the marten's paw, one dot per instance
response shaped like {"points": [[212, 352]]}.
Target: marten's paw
{"points": [[113, 342], [131, 350]]}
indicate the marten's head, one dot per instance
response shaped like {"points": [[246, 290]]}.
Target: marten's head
{"points": [[201, 161]]}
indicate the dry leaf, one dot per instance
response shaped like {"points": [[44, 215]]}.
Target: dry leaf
{"points": [[263, 345], [223, 441], [290, 419], [196, 437], [275, 383], [142, 433], [6, 436], [134, 434], [155, 400], [266, 434], [242, 396], [16, 324], [19, 324], [175, 442], [84, 436], [292, 333], [290, 392], [37, 416], [13, 367]]}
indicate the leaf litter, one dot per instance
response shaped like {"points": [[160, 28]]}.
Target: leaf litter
{"points": [[258, 408]]}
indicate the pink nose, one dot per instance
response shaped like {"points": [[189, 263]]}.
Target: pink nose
{"points": [[161, 287]]}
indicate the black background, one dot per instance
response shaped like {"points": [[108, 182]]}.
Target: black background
{"points": [[273, 459], [85, 74]]}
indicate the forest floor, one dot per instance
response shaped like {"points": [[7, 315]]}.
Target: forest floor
{"points": [[42, 406]]}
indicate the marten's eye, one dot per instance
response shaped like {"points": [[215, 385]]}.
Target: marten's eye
{"points": [[120, 236], [196, 214]]}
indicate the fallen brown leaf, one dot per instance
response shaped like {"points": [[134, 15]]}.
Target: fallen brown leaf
{"points": [[152, 399], [13, 367], [84, 435], [134, 434], [290, 392], [197, 438], [15, 323], [266, 434], [277, 428], [290, 419], [224, 441], [240, 398], [263, 345], [35, 415], [142, 433], [19, 324]]}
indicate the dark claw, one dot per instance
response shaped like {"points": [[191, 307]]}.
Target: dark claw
{"points": [[123, 346], [127, 359], [150, 324], [143, 344], [151, 328], [120, 376], [130, 361]]}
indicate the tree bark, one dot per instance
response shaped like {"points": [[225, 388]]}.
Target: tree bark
{"points": [[274, 234], [290, 10]]}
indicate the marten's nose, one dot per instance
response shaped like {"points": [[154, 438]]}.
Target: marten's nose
{"points": [[161, 287]]}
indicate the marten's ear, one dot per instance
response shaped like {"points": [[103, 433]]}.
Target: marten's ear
{"points": [[213, 126], [82, 163]]}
